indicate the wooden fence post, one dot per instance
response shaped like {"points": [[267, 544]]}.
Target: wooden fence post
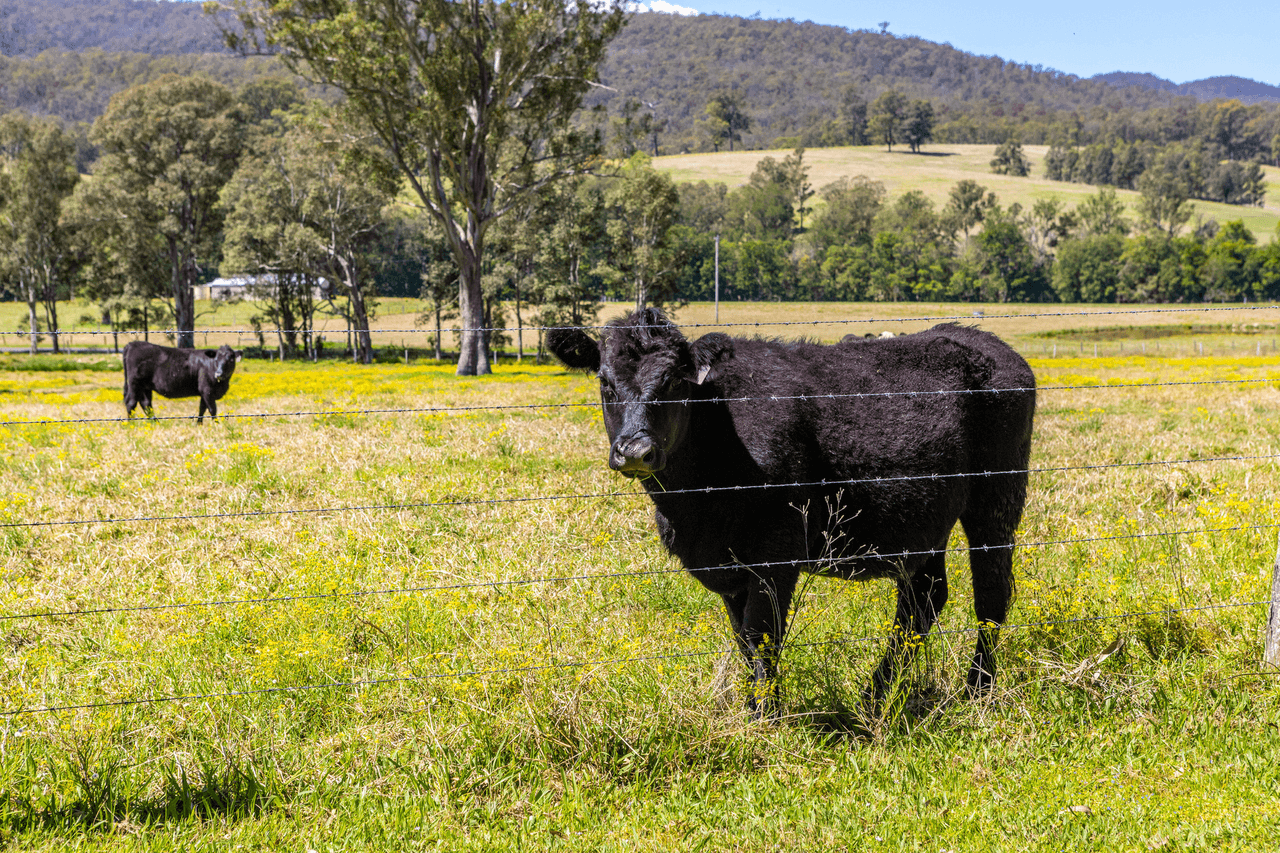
{"points": [[1271, 652]]}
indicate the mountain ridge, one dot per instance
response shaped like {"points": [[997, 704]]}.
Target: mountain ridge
{"points": [[1243, 89], [169, 27]]}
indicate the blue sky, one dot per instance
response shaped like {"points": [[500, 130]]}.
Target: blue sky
{"points": [[1179, 41]]}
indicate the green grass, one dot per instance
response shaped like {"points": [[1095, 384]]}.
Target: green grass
{"points": [[940, 167], [1153, 731]]}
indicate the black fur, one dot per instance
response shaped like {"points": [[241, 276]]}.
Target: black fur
{"points": [[173, 372], [658, 391]]}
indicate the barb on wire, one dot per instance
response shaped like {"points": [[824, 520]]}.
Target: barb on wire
{"points": [[593, 404], [599, 576], [547, 667], [925, 318]]}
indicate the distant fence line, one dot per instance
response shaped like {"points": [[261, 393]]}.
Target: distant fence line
{"points": [[930, 318]]}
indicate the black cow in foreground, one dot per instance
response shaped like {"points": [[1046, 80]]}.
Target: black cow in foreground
{"points": [[853, 460], [173, 372]]}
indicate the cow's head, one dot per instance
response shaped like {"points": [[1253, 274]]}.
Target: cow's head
{"points": [[649, 373], [224, 363]]}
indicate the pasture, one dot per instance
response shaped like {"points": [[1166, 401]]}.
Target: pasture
{"points": [[450, 626], [939, 167]]}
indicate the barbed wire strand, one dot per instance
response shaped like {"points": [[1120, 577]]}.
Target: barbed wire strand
{"points": [[700, 490], [485, 673], [595, 403], [927, 318], [602, 576]]}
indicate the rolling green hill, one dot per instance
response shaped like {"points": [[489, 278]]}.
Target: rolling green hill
{"points": [[939, 168]]}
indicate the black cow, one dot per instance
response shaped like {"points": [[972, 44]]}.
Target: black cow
{"points": [[866, 483], [174, 372]]}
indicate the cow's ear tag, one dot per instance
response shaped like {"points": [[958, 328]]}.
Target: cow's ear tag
{"points": [[702, 374]]}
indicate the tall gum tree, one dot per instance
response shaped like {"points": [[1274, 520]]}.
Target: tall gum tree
{"points": [[472, 98], [37, 175], [309, 203], [168, 147]]}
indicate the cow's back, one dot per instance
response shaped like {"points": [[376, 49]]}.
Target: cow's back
{"points": [[810, 411], [171, 371], [141, 359]]}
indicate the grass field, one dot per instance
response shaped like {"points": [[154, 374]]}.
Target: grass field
{"points": [[938, 169], [539, 675]]}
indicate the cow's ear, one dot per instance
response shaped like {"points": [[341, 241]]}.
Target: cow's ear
{"points": [[709, 354], [574, 347]]}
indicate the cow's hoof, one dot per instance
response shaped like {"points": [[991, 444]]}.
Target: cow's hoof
{"points": [[980, 683]]}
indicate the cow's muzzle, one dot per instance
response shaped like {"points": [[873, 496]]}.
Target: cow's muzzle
{"points": [[636, 456]]}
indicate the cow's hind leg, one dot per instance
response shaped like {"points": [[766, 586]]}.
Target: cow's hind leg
{"points": [[144, 398], [992, 593], [758, 616], [990, 536], [921, 598], [130, 400]]}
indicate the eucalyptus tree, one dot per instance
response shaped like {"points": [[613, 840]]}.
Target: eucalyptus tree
{"points": [[1163, 203], [968, 203], [572, 244], [850, 210], [917, 124], [643, 204], [168, 147], [37, 176], [473, 100], [725, 119], [887, 117], [1010, 159], [309, 204]]}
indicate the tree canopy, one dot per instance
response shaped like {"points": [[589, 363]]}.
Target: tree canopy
{"points": [[473, 100]]}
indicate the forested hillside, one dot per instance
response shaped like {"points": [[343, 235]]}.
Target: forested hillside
{"points": [[77, 86], [133, 26], [795, 81], [793, 76]]}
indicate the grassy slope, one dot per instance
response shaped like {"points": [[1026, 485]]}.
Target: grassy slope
{"points": [[939, 168], [1168, 744]]}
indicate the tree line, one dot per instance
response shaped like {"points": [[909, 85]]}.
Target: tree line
{"points": [[859, 244]]}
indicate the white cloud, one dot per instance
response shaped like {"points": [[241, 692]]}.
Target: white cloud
{"points": [[663, 6]]}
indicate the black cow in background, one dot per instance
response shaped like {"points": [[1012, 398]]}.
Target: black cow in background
{"points": [[868, 483], [173, 372]]}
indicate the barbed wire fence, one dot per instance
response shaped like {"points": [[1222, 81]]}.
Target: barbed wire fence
{"points": [[130, 608], [66, 337]]}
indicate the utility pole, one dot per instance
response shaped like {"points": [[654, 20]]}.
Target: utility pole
{"points": [[717, 278]]}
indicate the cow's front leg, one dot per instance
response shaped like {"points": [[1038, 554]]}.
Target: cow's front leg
{"points": [[920, 599], [758, 616], [200, 417]]}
